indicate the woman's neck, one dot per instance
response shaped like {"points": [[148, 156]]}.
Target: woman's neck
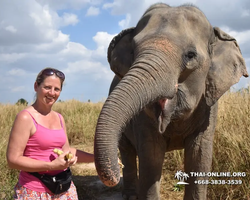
{"points": [[42, 109]]}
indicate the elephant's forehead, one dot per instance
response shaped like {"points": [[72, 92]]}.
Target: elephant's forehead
{"points": [[174, 19], [160, 43], [189, 12]]}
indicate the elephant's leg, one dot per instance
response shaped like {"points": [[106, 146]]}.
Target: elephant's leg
{"points": [[151, 156], [130, 179], [198, 158]]}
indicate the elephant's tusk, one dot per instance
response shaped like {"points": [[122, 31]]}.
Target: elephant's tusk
{"points": [[176, 87]]}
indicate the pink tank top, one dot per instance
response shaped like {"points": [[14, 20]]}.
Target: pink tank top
{"points": [[40, 146]]}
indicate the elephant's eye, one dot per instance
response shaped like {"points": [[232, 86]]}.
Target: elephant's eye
{"points": [[191, 55]]}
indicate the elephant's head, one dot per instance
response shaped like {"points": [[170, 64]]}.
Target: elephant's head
{"points": [[171, 60]]}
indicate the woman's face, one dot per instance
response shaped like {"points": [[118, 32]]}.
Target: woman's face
{"points": [[49, 90]]}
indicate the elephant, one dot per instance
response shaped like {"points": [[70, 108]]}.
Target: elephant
{"points": [[170, 71]]}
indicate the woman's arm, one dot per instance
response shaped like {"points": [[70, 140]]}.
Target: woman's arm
{"points": [[82, 156]]}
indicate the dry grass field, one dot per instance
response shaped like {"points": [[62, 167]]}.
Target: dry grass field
{"points": [[231, 149]]}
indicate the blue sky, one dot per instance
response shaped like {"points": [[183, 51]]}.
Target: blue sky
{"points": [[73, 36]]}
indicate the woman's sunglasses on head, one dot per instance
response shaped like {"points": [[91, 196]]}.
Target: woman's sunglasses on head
{"points": [[50, 72]]}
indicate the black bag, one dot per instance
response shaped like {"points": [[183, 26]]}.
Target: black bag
{"points": [[58, 183]]}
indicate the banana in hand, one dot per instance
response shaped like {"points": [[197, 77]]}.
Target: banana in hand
{"points": [[59, 152], [120, 163]]}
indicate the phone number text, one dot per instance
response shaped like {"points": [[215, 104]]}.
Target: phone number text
{"points": [[218, 182]]}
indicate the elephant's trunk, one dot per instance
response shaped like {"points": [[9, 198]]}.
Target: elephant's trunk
{"points": [[148, 80]]}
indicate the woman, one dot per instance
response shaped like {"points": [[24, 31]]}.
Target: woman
{"points": [[36, 132]]}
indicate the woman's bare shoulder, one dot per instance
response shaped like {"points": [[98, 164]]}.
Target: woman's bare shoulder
{"points": [[25, 114], [55, 113]]}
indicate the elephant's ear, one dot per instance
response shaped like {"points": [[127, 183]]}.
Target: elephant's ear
{"points": [[114, 83], [228, 66], [120, 53]]}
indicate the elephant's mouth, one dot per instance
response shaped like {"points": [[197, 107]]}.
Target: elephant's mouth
{"points": [[164, 110]]}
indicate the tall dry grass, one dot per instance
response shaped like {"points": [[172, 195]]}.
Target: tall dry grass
{"points": [[231, 144], [8, 177]]}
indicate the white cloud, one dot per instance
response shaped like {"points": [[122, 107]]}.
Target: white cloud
{"points": [[16, 72], [18, 89], [63, 4], [241, 36], [34, 24], [43, 17], [77, 67], [108, 5], [11, 57], [125, 23], [93, 11], [96, 69], [69, 19], [103, 38], [245, 13], [58, 41], [11, 29], [75, 51]]}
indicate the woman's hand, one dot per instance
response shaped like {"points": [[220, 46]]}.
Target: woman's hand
{"points": [[70, 160], [61, 162]]}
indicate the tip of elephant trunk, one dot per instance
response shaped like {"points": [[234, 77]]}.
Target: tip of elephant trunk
{"points": [[110, 180], [110, 174], [111, 183]]}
